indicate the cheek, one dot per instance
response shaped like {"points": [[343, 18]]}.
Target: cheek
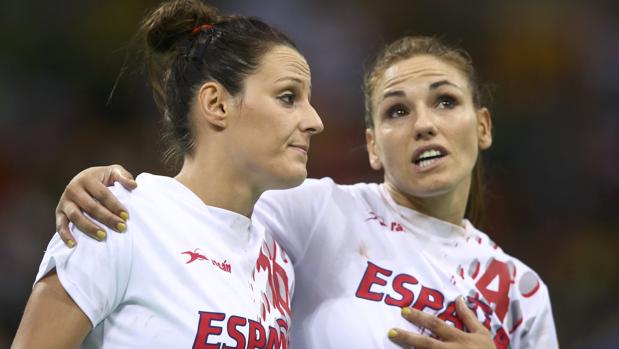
{"points": [[255, 141], [392, 149], [261, 126], [467, 139]]}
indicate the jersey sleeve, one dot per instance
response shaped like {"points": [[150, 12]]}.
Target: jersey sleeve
{"points": [[292, 215], [541, 333], [95, 274]]}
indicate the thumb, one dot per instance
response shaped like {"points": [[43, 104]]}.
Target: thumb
{"points": [[117, 173], [468, 316]]}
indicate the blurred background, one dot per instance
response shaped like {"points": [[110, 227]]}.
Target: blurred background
{"points": [[553, 171]]}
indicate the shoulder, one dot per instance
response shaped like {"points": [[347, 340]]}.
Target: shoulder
{"points": [[326, 186], [310, 190], [319, 193], [524, 278], [154, 198], [143, 203], [309, 185], [361, 191], [150, 188]]}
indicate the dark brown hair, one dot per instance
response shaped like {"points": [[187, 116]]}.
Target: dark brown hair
{"points": [[408, 47], [181, 54]]}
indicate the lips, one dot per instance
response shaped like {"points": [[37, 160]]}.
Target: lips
{"points": [[428, 155], [302, 147]]}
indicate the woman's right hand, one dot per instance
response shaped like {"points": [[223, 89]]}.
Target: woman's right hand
{"points": [[88, 193], [449, 337]]}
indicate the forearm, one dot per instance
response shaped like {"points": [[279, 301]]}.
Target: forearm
{"points": [[51, 319]]}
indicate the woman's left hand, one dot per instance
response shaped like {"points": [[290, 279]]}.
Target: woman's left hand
{"points": [[449, 337]]}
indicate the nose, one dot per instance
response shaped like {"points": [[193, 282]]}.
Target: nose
{"points": [[312, 123], [424, 127]]}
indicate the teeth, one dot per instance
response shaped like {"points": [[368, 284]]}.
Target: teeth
{"points": [[424, 163], [429, 153]]}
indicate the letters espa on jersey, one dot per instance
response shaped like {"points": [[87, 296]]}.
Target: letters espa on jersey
{"points": [[269, 289], [245, 333], [490, 301]]}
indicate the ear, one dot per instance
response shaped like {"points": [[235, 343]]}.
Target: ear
{"points": [[370, 140], [484, 128], [214, 103]]}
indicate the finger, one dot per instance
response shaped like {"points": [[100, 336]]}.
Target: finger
{"points": [[408, 339], [468, 317], [115, 213], [96, 210], [431, 322], [124, 177], [75, 215], [62, 227]]}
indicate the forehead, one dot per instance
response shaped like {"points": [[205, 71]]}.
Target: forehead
{"points": [[281, 61], [419, 70]]}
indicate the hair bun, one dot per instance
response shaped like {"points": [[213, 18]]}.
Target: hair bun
{"points": [[174, 20]]}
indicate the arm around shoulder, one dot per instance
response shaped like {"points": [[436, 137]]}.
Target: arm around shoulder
{"points": [[291, 215]]}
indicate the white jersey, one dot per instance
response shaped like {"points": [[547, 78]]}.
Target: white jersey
{"points": [[359, 257], [184, 275]]}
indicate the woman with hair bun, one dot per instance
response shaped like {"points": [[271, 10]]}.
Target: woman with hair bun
{"points": [[234, 95]]}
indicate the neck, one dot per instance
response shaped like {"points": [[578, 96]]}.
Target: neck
{"points": [[449, 207], [217, 184]]}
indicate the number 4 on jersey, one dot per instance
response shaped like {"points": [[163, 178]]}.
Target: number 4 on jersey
{"points": [[494, 286]]}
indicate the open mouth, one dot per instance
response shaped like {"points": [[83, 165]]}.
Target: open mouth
{"points": [[428, 157]]}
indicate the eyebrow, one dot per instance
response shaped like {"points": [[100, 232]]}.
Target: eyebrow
{"points": [[438, 84], [433, 86], [290, 78], [297, 80], [396, 93]]}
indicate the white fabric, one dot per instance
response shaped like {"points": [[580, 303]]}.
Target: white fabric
{"points": [[142, 288], [336, 234]]}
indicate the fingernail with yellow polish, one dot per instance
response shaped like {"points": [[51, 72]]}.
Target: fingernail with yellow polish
{"points": [[392, 333], [406, 311], [101, 235], [71, 243], [134, 183], [121, 227], [124, 215]]}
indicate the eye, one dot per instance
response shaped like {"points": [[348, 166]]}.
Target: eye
{"points": [[397, 111], [446, 102], [287, 98]]}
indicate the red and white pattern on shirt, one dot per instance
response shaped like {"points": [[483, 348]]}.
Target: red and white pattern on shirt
{"points": [[493, 295], [275, 297]]}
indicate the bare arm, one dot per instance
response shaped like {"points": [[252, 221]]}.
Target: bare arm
{"points": [[51, 319], [450, 337], [87, 192]]}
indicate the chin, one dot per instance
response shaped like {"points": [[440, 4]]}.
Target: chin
{"points": [[429, 192], [290, 179], [429, 188]]}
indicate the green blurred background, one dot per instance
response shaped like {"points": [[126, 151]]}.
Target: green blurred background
{"points": [[553, 171]]}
